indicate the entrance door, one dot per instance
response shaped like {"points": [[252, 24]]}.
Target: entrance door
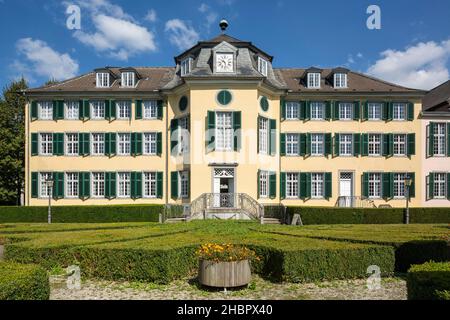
{"points": [[223, 188], [346, 189]]}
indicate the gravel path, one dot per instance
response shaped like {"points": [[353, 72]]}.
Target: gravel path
{"points": [[259, 289]]}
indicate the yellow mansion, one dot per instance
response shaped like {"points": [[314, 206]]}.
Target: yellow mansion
{"points": [[223, 128]]}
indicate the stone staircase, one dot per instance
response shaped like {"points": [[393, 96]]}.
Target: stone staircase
{"points": [[271, 221]]}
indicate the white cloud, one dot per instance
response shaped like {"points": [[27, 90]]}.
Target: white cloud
{"points": [[42, 61], [210, 15], [203, 8], [119, 38], [151, 16], [97, 7], [422, 66], [181, 34]]}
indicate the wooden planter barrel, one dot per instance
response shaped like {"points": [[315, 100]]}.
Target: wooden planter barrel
{"points": [[224, 274]]}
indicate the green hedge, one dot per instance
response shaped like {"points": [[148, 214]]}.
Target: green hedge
{"points": [[321, 215], [82, 214], [23, 282], [429, 281], [417, 252]]}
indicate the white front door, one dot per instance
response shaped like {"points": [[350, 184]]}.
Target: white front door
{"points": [[346, 189], [216, 192]]}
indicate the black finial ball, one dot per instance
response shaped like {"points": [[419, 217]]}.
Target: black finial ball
{"points": [[223, 25]]}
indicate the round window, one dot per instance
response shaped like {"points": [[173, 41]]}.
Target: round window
{"points": [[264, 103], [224, 97], [183, 103]]}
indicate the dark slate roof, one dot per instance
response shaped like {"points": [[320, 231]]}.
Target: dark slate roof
{"points": [[437, 99]]}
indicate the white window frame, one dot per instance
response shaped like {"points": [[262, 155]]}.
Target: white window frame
{"points": [[97, 109], [440, 139], [72, 187], [48, 144], [375, 185], [345, 111], [150, 109], [123, 109], [317, 144], [340, 80], [345, 144], [124, 144], [375, 111], [45, 110], [374, 142], [264, 136], [72, 110], [292, 144], [149, 143], [399, 111], [440, 183], [317, 185], [43, 176], [399, 185], [314, 80], [292, 108], [128, 79], [71, 145], [124, 185], [186, 66], [400, 142], [263, 66], [224, 131], [97, 144], [184, 184], [264, 184], [98, 184], [317, 111], [149, 185], [102, 79], [292, 191]]}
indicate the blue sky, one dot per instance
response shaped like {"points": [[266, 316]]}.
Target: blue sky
{"points": [[412, 47]]}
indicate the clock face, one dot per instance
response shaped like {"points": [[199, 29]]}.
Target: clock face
{"points": [[224, 62]]}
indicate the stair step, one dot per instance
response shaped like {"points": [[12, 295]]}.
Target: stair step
{"points": [[272, 221], [175, 220]]}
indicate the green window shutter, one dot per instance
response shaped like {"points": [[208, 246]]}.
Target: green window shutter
{"points": [[55, 109], [308, 185], [336, 110], [237, 123], [365, 144], [302, 189], [173, 136], [365, 185], [302, 144], [356, 144], [388, 185], [411, 144], [136, 185], [307, 110], [159, 185], [110, 144], [174, 184], [58, 144], [273, 185], [356, 110], [138, 114], [159, 110], [282, 110], [431, 127], [391, 145], [136, 144], [282, 144], [412, 189], [159, 143], [86, 110], [273, 137], [431, 186], [410, 111], [448, 186], [34, 113], [390, 111], [58, 110], [58, 185], [336, 145], [34, 144], [448, 139], [328, 185], [365, 114], [84, 181], [110, 185], [108, 110], [34, 185], [308, 144], [283, 185], [84, 145], [301, 110], [384, 111], [328, 110], [328, 144], [385, 145]]}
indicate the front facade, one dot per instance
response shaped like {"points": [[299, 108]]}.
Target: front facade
{"points": [[225, 123]]}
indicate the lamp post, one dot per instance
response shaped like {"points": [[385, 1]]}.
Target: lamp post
{"points": [[49, 183], [408, 183]]}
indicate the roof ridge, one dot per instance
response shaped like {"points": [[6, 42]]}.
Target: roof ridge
{"points": [[442, 84], [64, 81], [383, 81]]}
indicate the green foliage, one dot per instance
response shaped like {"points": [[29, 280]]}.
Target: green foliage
{"points": [[429, 281], [79, 214], [23, 282]]}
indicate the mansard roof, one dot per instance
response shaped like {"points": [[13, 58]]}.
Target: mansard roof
{"points": [[438, 99]]}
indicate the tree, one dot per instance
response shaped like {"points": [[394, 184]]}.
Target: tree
{"points": [[51, 82], [12, 143]]}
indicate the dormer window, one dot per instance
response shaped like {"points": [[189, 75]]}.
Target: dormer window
{"points": [[128, 79], [340, 80], [103, 79], [186, 65], [313, 80], [263, 66]]}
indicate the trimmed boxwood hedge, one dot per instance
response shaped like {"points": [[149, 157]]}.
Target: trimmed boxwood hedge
{"points": [[323, 215], [23, 282], [82, 214], [429, 281]]}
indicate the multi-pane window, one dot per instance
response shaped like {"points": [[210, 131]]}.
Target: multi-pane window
{"points": [[102, 80], [150, 108], [184, 184], [183, 127], [262, 66], [313, 80], [149, 184], [128, 79], [97, 109], [439, 185], [224, 131], [439, 139], [399, 185], [98, 184], [263, 135], [340, 80], [317, 110], [124, 144], [374, 144], [46, 144], [317, 148], [317, 185], [98, 144], [292, 144], [399, 111], [72, 110], [186, 66], [123, 184], [45, 110], [123, 109], [292, 110], [150, 143], [374, 185], [345, 111], [292, 185], [72, 144], [399, 144], [374, 111], [72, 184], [345, 144], [44, 189], [264, 184]]}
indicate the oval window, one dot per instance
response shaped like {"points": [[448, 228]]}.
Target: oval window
{"points": [[264, 103], [224, 97], [183, 103]]}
